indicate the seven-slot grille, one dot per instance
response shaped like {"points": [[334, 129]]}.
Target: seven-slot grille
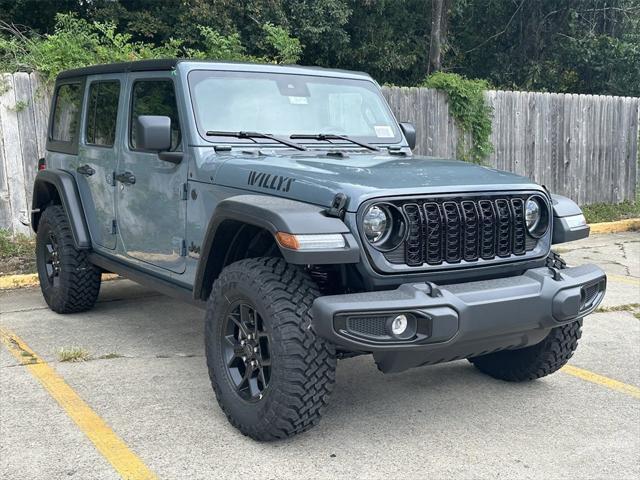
{"points": [[448, 231]]}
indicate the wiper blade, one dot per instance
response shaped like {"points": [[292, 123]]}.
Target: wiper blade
{"points": [[252, 135], [332, 136]]}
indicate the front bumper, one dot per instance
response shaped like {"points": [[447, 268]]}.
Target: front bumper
{"points": [[461, 320]]}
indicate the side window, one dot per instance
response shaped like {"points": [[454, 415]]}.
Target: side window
{"points": [[66, 113], [102, 113], [155, 97]]}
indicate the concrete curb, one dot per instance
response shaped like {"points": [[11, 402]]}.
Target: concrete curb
{"points": [[31, 280], [10, 282], [616, 227]]}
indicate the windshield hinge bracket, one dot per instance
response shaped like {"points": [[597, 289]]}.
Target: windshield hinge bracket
{"points": [[337, 208]]}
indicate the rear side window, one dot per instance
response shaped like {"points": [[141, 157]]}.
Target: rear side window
{"points": [[102, 113], [155, 97], [66, 113]]}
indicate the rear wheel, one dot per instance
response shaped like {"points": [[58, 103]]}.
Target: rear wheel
{"points": [[537, 360], [69, 282], [271, 374]]}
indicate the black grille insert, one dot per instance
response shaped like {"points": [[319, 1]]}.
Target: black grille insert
{"points": [[450, 230]]}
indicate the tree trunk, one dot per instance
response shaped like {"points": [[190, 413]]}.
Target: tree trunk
{"points": [[435, 44], [439, 29]]}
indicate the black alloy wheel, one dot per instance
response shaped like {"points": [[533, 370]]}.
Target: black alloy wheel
{"points": [[52, 260], [245, 344]]}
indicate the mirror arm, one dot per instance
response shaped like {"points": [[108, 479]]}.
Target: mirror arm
{"points": [[171, 157]]}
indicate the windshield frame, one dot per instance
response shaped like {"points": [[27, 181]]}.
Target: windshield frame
{"points": [[398, 138]]}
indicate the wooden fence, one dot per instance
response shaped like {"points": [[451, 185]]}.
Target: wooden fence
{"points": [[581, 146]]}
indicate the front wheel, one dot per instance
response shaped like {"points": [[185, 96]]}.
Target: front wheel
{"points": [[533, 362], [271, 374], [537, 360]]}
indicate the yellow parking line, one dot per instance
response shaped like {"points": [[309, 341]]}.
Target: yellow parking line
{"points": [[108, 443], [624, 279], [602, 380]]}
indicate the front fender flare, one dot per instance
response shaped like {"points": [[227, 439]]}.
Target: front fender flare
{"points": [[563, 209], [276, 214], [67, 191]]}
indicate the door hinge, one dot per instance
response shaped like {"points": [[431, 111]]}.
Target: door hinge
{"points": [[114, 227], [184, 191], [183, 248], [113, 179]]}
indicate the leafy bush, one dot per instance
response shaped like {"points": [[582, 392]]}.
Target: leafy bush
{"points": [[470, 111], [77, 43]]}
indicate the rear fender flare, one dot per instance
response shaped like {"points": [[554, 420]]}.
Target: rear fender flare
{"points": [[47, 185]]}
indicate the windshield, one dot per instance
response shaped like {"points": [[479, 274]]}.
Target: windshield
{"points": [[284, 105]]}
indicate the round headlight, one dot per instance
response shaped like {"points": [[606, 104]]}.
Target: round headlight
{"points": [[376, 223], [536, 216], [532, 213], [384, 226]]}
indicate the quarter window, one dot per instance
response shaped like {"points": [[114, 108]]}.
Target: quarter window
{"points": [[66, 112], [102, 113], [155, 97]]}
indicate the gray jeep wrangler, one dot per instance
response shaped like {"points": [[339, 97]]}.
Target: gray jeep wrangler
{"points": [[287, 203]]}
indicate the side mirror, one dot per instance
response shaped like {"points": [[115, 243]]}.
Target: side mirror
{"points": [[153, 133], [409, 132]]}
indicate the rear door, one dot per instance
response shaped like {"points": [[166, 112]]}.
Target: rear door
{"points": [[151, 201], [97, 157]]}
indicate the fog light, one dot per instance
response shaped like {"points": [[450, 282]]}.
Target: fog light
{"points": [[399, 325]]}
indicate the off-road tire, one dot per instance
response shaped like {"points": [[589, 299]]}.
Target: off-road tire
{"points": [[302, 364], [538, 360], [79, 280]]}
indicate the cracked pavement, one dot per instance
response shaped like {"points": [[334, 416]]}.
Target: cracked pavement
{"points": [[448, 420]]}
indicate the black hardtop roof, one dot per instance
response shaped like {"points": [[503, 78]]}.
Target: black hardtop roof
{"points": [[170, 64]]}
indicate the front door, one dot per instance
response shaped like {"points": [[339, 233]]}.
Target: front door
{"points": [[97, 158], [151, 208]]}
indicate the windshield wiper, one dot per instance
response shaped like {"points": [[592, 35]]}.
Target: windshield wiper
{"points": [[332, 136], [252, 135]]}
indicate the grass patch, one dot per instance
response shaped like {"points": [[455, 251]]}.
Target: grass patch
{"points": [[17, 253], [619, 308], [73, 354], [603, 212]]}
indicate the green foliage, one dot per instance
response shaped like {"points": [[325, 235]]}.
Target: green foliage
{"points": [[220, 47], [283, 47], [77, 42], [577, 46], [287, 49], [21, 105], [470, 111], [603, 212]]}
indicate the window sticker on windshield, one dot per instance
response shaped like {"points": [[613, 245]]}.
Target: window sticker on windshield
{"points": [[298, 100], [383, 131]]}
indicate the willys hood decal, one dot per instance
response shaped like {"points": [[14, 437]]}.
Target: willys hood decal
{"points": [[317, 178]]}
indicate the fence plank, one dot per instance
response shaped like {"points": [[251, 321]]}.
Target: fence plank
{"points": [[27, 126], [13, 155]]}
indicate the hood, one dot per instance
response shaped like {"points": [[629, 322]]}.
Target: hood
{"points": [[317, 178]]}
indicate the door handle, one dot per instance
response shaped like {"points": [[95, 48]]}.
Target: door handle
{"points": [[85, 170], [126, 178]]}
